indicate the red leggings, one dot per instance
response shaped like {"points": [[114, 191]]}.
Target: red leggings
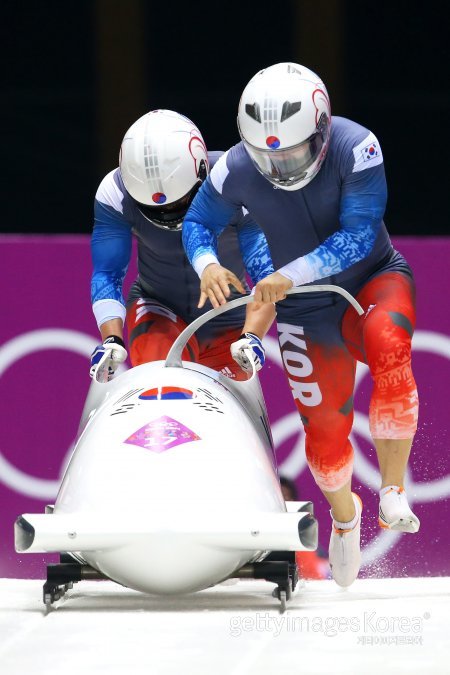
{"points": [[319, 357], [153, 328]]}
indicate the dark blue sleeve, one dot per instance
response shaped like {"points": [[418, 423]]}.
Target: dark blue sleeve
{"points": [[254, 250], [362, 207], [206, 218], [111, 253]]}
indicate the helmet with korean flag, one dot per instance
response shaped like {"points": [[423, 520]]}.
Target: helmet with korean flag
{"points": [[284, 120], [163, 161]]}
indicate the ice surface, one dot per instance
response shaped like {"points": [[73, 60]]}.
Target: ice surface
{"points": [[377, 626]]}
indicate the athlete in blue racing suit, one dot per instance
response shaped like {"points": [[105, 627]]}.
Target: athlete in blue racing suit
{"points": [[316, 186], [149, 204]]}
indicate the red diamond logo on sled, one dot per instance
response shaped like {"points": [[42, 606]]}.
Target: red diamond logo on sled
{"points": [[162, 434]]}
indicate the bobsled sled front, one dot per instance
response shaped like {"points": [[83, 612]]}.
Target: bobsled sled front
{"points": [[172, 483]]}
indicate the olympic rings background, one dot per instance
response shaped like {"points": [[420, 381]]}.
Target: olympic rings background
{"points": [[49, 332]]}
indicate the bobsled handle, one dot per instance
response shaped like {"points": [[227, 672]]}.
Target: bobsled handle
{"points": [[173, 359]]}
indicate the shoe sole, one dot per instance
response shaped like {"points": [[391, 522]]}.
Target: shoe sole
{"points": [[400, 525]]}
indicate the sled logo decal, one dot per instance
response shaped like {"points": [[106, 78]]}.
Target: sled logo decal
{"points": [[165, 393], [162, 434]]}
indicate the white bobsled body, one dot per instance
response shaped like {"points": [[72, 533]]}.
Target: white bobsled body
{"points": [[175, 471], [172, 485]]}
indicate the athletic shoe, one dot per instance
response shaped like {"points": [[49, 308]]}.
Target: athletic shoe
{"points": [[394, 513], [344, 551]]}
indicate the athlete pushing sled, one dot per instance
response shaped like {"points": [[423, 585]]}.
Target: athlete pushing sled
{"points": [[315, 184]]}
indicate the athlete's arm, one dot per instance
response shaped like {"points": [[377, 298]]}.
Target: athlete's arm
{"points": [[209, 214], [363, 202], [206, 218], [258, 318], [258, 263], [111, 327], [111, 252], [254, 249]]}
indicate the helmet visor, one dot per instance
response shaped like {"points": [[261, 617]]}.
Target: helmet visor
{"points": [[289, 166]]}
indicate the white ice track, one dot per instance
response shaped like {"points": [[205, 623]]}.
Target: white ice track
{"points": [[105, 628]]}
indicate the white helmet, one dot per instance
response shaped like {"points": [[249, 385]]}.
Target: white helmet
{"points": [[163, 161], [284, 121]]}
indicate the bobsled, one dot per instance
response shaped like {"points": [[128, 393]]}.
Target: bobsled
{"points": [[172, 486]]}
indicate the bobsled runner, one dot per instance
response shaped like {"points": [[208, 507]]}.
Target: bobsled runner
{"points": [[172, 486]]}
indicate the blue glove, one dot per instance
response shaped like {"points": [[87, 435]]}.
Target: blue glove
{"points": [[248, 342], [117, 355]]}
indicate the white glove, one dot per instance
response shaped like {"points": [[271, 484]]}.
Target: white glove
{"points": [[117, 356], [248, 342]]}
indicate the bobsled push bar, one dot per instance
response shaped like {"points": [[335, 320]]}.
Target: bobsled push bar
{"points": [[174, 355]]}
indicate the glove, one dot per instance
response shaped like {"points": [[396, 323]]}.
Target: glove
{"points": [[252, 343], [117, 355]]}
